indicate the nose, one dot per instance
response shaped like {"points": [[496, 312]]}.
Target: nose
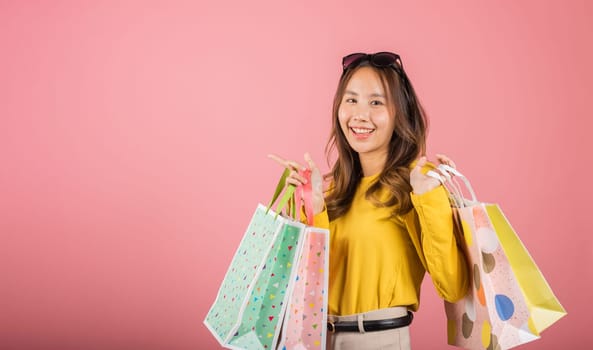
{"points": [[361, 113]]}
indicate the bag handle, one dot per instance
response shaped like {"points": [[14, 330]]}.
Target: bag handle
{"points": [[306, 193], [458, 174], [288, 198], [454, 192], [288, 193], [452, 181]]}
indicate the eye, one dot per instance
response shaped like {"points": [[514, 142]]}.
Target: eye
{"points": [[350, 100], [377, 103]]}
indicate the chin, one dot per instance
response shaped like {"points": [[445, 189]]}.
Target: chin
{"points": [[361, 150]]}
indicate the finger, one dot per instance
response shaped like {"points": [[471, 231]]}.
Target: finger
{"points": [[310, 161], [295, 182], [298, 177], [291, 181], [286, 163], [277, 159], [445, 160], [435, 175]]}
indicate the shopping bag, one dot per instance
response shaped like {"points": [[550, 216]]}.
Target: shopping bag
{"points": [[250, 301], [306, 316], [250, 306], [509, 302]]}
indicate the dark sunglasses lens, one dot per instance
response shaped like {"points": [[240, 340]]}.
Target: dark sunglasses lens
{"points": [[385, 59], [352, 58]]}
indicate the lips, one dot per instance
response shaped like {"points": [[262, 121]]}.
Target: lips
{"points": [[361, 131]]}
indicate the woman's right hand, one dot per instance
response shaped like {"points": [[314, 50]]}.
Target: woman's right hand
{"points": [[295, 179]]}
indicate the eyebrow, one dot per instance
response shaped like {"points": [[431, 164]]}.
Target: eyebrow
{"points": [[350, 92]]}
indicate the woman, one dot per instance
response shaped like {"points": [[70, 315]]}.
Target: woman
{"points": [[389, 222]]}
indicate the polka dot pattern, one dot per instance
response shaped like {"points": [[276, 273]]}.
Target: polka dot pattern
{"points": [[494, 314], [504, 306]]}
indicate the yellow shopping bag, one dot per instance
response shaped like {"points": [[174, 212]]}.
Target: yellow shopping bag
{"points": [[544, 307]]}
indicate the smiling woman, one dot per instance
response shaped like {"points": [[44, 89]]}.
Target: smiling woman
{"points": [[389, 222], [364, 113], [132, 136]]}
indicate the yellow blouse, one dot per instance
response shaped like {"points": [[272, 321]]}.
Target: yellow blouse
{"points": [[378, 262]]}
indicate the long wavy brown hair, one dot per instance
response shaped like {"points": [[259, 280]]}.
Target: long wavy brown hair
{"points": [[407, 143]]}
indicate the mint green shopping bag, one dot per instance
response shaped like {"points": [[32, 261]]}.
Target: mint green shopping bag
{"points": [[252, 298]]}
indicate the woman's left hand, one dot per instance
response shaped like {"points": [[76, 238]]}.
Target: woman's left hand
{"points": [[422, 183]]}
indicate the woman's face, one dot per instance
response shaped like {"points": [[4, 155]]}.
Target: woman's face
{"points": [[364, 115]]}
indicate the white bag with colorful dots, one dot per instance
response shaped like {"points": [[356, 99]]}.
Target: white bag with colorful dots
{"points": [[509, 302]]}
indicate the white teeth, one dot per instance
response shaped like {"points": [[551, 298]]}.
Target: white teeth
{"points": [[362, 131]]}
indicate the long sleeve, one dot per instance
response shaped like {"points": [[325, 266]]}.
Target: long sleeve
{"points": [[321, 219], [430, 225]]}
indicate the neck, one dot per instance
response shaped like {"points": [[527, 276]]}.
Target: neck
{"points": [[373, 163]]}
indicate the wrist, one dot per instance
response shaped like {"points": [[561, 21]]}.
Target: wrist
{"points": [[318, 207]]}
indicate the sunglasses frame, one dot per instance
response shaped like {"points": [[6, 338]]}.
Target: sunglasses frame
{"points": [[379, 59]]}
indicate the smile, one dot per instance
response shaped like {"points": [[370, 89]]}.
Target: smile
{"points": [[362, 131]]}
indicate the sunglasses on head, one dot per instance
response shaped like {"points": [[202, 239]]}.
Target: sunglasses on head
{"points": [[379, 59]]}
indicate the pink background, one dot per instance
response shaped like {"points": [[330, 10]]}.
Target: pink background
{"points": [[134, 134]]}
